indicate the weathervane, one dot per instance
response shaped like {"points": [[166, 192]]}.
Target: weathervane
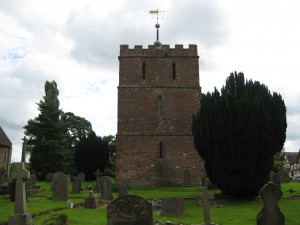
{"points": [[157, 43]]}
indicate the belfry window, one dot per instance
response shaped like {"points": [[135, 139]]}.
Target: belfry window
{"points": [[160, 150], [174, 71], [144, 70], [159, 105]]}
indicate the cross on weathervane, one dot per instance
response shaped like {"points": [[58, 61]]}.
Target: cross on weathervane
{"points": [[157, 43]]}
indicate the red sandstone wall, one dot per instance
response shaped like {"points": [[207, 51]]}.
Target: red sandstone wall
{"points": [[146, 74]]}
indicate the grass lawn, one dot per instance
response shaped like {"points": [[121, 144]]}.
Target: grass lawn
{"points": [[233, 212]]}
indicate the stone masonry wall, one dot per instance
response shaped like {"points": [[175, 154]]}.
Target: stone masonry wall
{"points": [[151, 133]]}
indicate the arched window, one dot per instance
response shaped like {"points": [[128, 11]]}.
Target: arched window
{"points": [[159, 105]]}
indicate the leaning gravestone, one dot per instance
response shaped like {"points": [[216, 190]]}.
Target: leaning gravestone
{"points": [[76, 185], [172, 207], [106, 188], [270, 214], [284, 176], [129, 210], [60, 186]]}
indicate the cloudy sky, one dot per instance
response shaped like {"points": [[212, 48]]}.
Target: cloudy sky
{"points": [[76, 43]]}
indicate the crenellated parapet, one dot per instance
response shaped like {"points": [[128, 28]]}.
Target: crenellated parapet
{"points": [[153, 51]]}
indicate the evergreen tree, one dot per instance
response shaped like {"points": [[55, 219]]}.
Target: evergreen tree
{"points": [[91, 153], [47, 137], [110, 169], [237, 132]]}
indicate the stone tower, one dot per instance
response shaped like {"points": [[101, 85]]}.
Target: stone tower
{"points": [[158, 93]]}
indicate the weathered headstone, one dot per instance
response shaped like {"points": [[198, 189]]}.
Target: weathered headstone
{"points": [[123, 189], [106, 188], [284, 176], [60, 186], [270, 214], [20, 217], [276, 179], [2, 176], [76, 185], [49, 177], [98, 176], [129, 210], [91, 201], [161, 174], [186, 177], [81, 177], [205, 197], [172, 207]]}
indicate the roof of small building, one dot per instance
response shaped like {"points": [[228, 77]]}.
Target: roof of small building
{"points": [[4, 140], [292, 157]]}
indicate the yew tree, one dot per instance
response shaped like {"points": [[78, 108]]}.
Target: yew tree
{"points": [[237, 132]]}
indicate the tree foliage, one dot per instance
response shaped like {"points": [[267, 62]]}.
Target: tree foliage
{"points": [[47, 143], [237, 132], [91, 153], [53, 135], [110, 169]]}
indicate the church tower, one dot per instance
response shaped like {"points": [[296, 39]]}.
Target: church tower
{"points": [[158, 93]]}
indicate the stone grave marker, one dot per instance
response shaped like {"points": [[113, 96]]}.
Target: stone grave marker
{"points": [[123, 189], [205, 197], [284, 176], [172, 207], [21, 217], [98, 176], [106, 188], [276, 179], [270, 193], [60, 186], [81, 177], [76, 185], [186, 177], [91, 201], [2, 176], [129, 210], [49, 177]]}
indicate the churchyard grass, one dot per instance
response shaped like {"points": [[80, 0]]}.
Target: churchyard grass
{"points": [[234, 212]]}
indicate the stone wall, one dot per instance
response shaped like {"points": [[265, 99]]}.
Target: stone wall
{"points": [[157, 95]]}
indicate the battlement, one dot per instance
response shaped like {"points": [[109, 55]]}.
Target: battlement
{"points": [[153, 51]]}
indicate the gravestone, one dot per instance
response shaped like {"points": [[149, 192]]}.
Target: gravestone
{"points": [[186, 177], [2, 176], [81, 177], [76, 185], [205, 197], [172, 207], [106, 188], [275, 179], [161, 174], [49, 177], [20, 217], [129, 210], [270, 214], [60, 186], [98, 176], [284, 176], [91, 201], [123, 189]]}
